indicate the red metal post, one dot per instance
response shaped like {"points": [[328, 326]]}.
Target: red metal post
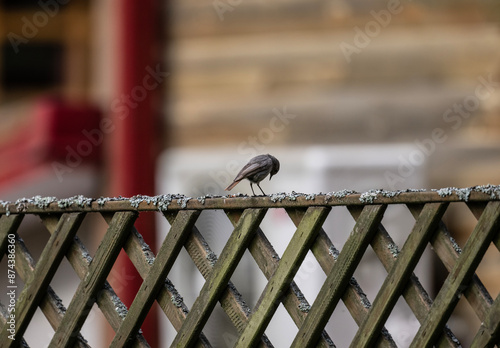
{"points": [[133, 143]]}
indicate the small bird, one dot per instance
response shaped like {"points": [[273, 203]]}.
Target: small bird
{"points": [[256, 170]]}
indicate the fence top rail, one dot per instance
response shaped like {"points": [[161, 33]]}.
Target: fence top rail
{"points": [[40, 205]]}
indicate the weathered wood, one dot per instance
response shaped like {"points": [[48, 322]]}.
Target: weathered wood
{"points": [[99, 268], [354, 298], [8, 225], [36, 286], [399, 275], [398, 263], [231, 300], [336, 282], [155, 279], [460, 276], [489, 333], [284, 201], [168, 298], [415, 295], [109, 303], [267, 259], [218, 280], [449, 252], [50, 305], [280, 281]]}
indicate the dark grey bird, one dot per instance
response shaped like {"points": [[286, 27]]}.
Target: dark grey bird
{"points": [[256, 170]]}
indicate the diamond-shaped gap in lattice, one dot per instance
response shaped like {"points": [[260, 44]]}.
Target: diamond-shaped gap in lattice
{"points": [[91, 232], [341, 326], [309, 279], [187, 278], [278, 229], [96, 327], [39, 335], [399, 222], [281, 329], [370, 274], [215, 228], [430, 272], [338, 225], [249, 280], [460, 221], [402, 323], [34, 234], [219, 329]]}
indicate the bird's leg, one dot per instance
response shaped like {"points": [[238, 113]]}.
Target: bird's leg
{"points": [[252, 188], [261, 189]]}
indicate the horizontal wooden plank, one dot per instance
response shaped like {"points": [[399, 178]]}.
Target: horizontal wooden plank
{"points": [[277, 200]]}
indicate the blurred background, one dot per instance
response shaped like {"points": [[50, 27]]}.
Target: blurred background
{"points": [[107, 98]]}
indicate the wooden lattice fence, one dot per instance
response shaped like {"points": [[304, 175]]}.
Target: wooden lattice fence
{"points": [[63, 218]]}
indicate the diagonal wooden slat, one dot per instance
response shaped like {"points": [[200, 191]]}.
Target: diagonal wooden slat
{"points": [[449, 252], [231, 300], [415, 295], [99, 268], [219, 277], [399, 275], [50, 305], [340, 275], [354, 298], [168, 298], [110, 305], [267, 259], [150, 287], [8, 224], [460, 276], [37, 284], [280, 281], [489, 333]]}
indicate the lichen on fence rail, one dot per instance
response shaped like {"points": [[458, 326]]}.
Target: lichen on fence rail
{"points": [[163, 202]]}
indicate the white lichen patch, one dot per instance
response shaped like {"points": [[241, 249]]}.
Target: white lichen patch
{"points": [[310, 197], [368, 197], [393, 248], [212, 257], [462, 193], [334, 252], [175, 297]]}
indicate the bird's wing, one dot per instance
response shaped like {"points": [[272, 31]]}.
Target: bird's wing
{"points": [[251, 168]]}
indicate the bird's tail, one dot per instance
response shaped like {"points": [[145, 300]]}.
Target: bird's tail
{"points": [[230, 187]]}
